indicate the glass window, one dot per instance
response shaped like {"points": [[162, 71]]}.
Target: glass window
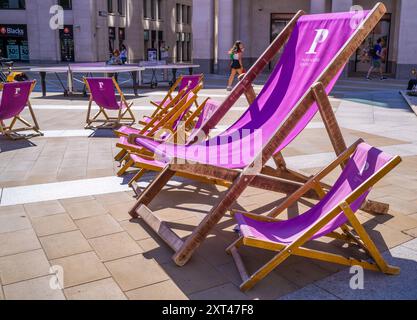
{"points": [[121, 7], [189, 13], [110, 6], [12, 4], [153, 9], [178, 12], [178, 47], [145, 9], [184, 14], [159, 9], [65, 4]]}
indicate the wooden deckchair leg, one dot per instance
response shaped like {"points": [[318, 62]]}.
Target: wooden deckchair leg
{"points": [[89, 112], [35, 121], [126, 167], [183, 255], [370, 245], [152, 190], [137, 177], [329, 118], [338, 142], [121, 155]]}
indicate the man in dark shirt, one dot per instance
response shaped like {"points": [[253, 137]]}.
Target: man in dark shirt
{"points": [[376, 59]]}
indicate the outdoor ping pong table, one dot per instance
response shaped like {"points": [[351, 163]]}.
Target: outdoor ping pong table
{"points": [[154, 67], [87, 69]]}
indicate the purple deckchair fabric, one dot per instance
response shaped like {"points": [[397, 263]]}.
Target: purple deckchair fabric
{"points": [[365, 162], [314, 43], [102, 93], [190, 81], [15, 96], [128, 130], [190, 95], [209, 109]]}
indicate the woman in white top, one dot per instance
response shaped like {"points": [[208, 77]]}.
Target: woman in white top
{"points": [[236, 55]]}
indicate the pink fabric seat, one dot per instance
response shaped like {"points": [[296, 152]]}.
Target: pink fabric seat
{"points": [[365, 162], [14, 98], [103, 93]]}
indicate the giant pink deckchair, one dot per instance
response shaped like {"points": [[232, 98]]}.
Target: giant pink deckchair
{"points": [[365, 167], [316, 52], [14, 99], [102, 92]]}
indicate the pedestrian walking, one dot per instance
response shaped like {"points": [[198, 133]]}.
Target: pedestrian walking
{"points": [[236, 55], [377, 57]]}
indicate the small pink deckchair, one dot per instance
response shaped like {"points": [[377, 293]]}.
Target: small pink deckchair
{"points": [[168, 120], [103, 93], [146, 162], [184, 82], [14, 99], [365, 167], [316, 52]]}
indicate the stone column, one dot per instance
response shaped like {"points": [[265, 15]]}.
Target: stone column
{"points": [[203, 34], [43, 41], [84, 13], [407, 41], [134, 30], [244, 28], [225, 34]]}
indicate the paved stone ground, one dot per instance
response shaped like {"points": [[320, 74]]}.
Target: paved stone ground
{"points": [[61, 205]]}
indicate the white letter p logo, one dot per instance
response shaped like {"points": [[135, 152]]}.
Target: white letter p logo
{"points": [[321, 36]]}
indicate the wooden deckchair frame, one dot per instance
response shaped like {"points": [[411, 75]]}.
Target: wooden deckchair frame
{"points": [[296, 247], [160, 106], [165, 119], [13, 133], [108, 120], [166, 124], [244, 178], [162, 112]]}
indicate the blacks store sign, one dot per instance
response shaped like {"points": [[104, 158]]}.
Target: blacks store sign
{"points": [[13, 42]]}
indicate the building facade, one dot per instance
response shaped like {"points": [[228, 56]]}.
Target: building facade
{"points": [[93, 28], [218, 24]]}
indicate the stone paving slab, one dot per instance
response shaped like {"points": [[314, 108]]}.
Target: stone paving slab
{"points": [[377, 286]]}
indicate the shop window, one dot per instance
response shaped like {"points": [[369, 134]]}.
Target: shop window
{"points": [[145, 9], [178, 12], [65, 4], [122, 37], [66, 37], [110, 6], [14, 42], [13, 4], [363, 56], [121, 7], [112, 39], [153, 9]]}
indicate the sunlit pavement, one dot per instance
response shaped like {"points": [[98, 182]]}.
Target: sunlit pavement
{"points": [[62, 206]]}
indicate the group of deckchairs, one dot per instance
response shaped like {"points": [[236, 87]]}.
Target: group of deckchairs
{"points": [[316, 49], [15, 96]]}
